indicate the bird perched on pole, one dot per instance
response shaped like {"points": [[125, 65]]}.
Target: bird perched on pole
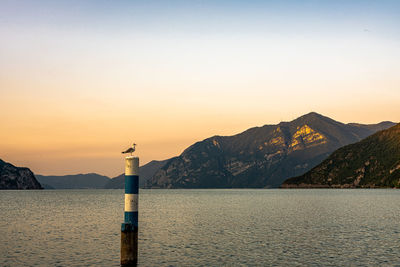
{"points": [[130, 150]]}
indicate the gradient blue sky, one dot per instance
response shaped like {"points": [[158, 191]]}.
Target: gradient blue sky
{"points": [[80, 80]]}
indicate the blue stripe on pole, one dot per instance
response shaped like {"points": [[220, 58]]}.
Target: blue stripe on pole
{"points": [[131, 184], [127, 227], [131, 217]]}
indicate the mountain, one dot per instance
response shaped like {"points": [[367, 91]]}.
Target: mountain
{"points": [[96, 181], [372, 162], [12, 177], [78, 181], [261, 156], [146, 172], [375, 127], [46, 186]]}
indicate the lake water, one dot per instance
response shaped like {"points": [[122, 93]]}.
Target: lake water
{"points": [[203, 227]]}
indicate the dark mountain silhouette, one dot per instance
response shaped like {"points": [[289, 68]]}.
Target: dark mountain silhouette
{"points": [[77, 181], [12, 177], [372, 162], [146, 172], [261, 156], [96, 181]]}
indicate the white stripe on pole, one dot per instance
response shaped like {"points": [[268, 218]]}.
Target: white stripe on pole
{"points": [[132, 165], [131, 202]]}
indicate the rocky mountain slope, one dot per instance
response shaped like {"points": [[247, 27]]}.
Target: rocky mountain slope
{"points": [[146, 172], [372, 162], [12, 177], [261, 156]]}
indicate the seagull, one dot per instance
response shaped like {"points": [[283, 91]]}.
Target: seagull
{"points": [[130, 150]]}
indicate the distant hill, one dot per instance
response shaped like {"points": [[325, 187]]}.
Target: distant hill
{"points": [[146, 172], [12, 177], [375, 127], [46, 186], [96, 181], [261, 156], [78, 181], [372, 162]]}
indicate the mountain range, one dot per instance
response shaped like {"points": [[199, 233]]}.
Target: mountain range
{"points": [[96, 181], [260, 157], [146, 172], [76, 181], [372, 162]]}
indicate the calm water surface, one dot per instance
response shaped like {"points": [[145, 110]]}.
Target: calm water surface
{"points": [[203, 227]]}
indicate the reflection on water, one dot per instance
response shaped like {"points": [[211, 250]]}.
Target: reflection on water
{"points": [[203, 227]]}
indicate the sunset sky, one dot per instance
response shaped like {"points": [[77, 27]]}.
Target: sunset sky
{"points": [[81, 80]]}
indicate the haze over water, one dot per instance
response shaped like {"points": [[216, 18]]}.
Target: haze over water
{"points": [[203, 227]]}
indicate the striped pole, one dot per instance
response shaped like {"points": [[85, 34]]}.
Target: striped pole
{"points": [[129, 228]]}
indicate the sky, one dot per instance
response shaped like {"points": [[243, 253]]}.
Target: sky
{"points": [[80, 81]]}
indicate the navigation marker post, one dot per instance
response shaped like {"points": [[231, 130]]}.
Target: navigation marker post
{"points": [[129, 228]]}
